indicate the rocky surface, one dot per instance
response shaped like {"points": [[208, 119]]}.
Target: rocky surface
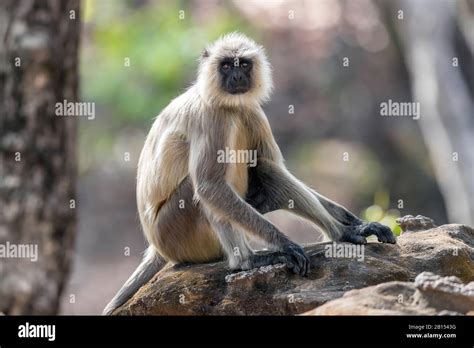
{"points": [[211, 289], [430, 294], [410, 223]]}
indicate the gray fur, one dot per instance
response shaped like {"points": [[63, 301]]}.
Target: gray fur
{"points": [[212, 188], [278, 189], [234, 243], [271, 188]]}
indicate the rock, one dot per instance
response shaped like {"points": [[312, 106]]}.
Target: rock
{"points": [[446, 293], [410, 223], [211, 289], [430, 294]]}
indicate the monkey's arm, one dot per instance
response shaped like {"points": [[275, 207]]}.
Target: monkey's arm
{"points": [[355, 229], [272, 187]]}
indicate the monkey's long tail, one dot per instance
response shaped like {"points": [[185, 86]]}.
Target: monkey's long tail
{"points": [[151, 264]]}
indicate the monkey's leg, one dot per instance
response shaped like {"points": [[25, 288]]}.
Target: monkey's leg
{"points": [[272, 187], [182, 233], [240, 255]]}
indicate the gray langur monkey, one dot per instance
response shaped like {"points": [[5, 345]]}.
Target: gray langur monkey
{"points": [[196, 208]]}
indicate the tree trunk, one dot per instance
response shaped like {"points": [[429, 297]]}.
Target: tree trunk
{"points": [[38, 68]]}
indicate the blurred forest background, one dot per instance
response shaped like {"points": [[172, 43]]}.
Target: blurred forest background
{"points": [[334, 63]]}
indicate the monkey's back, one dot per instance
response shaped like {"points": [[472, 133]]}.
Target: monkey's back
{"points": [[163, 162]]}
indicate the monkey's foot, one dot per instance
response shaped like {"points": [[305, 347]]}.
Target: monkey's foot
{"points": [[410, 223], [296, 260], [357, 234]]}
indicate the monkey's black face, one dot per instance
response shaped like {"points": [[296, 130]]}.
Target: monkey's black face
{"points": [[236, 75]]}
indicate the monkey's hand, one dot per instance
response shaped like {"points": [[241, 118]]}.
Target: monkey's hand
{"points": [[293, 257], [357, 233], [296, 259]]}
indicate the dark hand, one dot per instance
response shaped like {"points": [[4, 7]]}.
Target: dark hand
{"points": [[296, 259]]}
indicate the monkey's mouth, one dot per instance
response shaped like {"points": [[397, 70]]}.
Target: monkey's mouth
{"points": [[238, 89]]}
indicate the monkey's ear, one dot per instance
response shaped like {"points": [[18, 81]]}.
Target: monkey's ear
{"points": [[205, 53]]}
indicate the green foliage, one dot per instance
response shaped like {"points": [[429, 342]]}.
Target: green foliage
{"points": [[380, 212], [161, 46]]}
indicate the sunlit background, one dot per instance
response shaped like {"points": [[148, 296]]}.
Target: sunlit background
{"points": [[137, 55]]}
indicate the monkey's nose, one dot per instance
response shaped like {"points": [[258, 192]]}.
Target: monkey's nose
{"points": [[237, 77]]}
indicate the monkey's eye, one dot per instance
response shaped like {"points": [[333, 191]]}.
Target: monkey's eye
{"points": [[225, 66], [244, 65]]}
